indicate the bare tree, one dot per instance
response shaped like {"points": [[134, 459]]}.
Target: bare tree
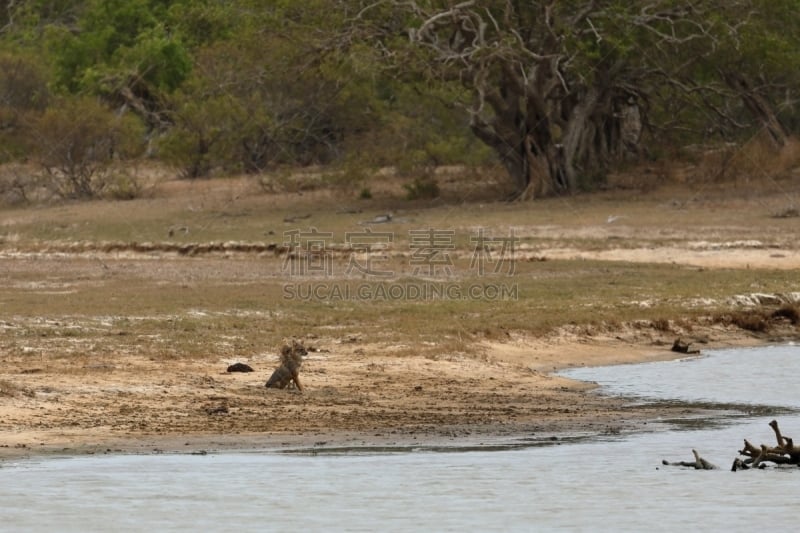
{"points": [[560, 89]]}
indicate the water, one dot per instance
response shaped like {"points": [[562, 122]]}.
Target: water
{"points": [[757, 376], [614, 484]]}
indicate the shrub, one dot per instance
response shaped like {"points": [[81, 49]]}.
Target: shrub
{"points": [[18, 183], [194, 146], [661, 324], [789, 312], [77, 140], [753, 160], [23, 92], [422, 188], [122, 185], [752, 320]]}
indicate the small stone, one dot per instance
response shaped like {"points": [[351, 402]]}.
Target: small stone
{"points": [[240, 367]]}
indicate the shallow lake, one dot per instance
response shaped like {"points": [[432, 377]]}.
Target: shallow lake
{"points": [[757, 376], [612, 484]]}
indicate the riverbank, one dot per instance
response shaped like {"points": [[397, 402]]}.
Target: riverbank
{"points": [[379, 403], [119, 320]]}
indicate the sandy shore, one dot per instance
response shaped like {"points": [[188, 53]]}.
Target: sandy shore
{"points": [[353, 397], [109, 349]]}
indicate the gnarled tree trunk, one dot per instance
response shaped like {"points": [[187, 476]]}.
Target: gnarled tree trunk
{"points": [[550, 123], [759, 107], [549, 152]]}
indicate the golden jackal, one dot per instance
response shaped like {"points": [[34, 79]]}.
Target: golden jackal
{"points": [[289, 369]]}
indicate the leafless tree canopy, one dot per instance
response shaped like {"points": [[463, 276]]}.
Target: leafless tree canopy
{"points": [[559, 89]]}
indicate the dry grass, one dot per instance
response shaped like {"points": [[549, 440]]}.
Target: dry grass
{"points": [[758, 320], [186, 308], [755, 160], [11, 390], [134, 338], [237, 209], [750, 320], [662, 325], [222, 302]]}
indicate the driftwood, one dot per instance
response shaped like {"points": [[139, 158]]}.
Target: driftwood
{"points": [[291, 359], [698, 464], [784, 453]]}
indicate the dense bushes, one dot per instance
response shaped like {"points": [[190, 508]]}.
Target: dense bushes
{"points": [[253, 85], [77, 139]]}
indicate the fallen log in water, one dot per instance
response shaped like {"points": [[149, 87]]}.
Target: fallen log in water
{"points": [[784, 453], [698, 464]]}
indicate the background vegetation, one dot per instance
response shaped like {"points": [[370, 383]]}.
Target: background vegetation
{"points": [[547, 89]]}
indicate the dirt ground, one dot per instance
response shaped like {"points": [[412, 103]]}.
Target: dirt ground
{"points": [[93, 361], [355, 394]]}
